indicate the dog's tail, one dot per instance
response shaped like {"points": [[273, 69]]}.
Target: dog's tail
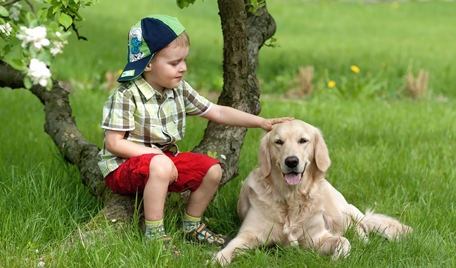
{"points": [[385, 226]]}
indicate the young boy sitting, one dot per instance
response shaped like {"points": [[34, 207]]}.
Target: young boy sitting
{"points": [[145, 117]]}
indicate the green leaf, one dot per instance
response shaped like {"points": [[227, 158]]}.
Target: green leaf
{"points": [[50, 15], [27, 82], [184, 3], [49, 84], [17, 64], [73, 5], [32, 19], [45, 57], [41, 14], [56, 8], [65, 20], [4, 12]]}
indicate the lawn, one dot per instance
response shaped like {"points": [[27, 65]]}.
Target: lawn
{"points": [[388, 152]]}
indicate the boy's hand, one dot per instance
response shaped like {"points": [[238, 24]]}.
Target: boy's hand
{"points": [[268, 124]]}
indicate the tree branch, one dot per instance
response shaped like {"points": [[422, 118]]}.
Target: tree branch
{"points": [[31, 6], [61, 127], [7, 3]]}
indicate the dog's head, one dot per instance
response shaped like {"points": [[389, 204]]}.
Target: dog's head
{"points": [[290, 149]]}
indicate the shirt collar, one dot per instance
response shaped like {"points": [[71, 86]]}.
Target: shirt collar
{"points": [[148, 91]]}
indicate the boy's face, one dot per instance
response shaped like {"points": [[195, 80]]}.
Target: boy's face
{"points": [[166, 68]]}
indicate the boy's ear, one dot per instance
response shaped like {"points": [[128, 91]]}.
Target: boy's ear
{"points": [[148, 67]]}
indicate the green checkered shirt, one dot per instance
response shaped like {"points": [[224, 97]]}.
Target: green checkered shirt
{"points": [[148, 118]]}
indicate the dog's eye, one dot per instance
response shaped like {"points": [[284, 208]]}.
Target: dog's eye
{"points": [[302, 140], [279, 142]]}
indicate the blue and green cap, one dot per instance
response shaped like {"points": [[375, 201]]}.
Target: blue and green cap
{"points": [[145, 38]]}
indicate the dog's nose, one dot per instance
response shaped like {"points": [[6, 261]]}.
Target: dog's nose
{"points": [[291, 161]]}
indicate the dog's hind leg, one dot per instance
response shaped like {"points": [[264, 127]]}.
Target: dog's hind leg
{"points": [[355, 218]]}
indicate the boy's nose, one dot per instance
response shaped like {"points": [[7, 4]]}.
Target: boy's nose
{"points": [[183, 67]]}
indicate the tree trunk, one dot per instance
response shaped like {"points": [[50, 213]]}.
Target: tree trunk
{"points": [[244, 34]]}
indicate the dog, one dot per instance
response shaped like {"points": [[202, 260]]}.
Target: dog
{"points": [[287, 200]]}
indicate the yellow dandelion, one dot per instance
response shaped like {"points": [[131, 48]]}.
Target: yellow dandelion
{"points": [[395, 4], [383, 65], [331, 84], [119, 71], [354, 68]]}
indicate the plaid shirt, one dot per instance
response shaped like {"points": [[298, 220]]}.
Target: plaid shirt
{"points": [[148, 118]]}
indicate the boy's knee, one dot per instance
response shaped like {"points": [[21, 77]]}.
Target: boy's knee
{"points": [[214, 173], [161, 166]]}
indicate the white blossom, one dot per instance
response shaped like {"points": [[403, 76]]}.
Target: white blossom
{"points": [[58, 47], [6, 29], [36, 36], [15, 11], [41, 264], [58, 34], [39, 72]]}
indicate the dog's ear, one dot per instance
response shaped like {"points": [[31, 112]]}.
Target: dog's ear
{"points": [[264, 157], [321, 152]]}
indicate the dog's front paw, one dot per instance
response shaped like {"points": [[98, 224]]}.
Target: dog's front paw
{"points": [[221, 259], [342, 249]]}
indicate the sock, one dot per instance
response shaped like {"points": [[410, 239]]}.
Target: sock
{"points": [[190, 222], [154, 229]]}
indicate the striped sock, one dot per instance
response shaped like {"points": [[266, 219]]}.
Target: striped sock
{"points": [[154, 229], [190, 222]]}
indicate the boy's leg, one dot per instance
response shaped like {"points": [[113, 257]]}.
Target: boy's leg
{"points": [[154, 196], [160, 169], [198, 202], [200, 199]]}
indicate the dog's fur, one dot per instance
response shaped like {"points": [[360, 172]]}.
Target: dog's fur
{"points": [[287, 201]]}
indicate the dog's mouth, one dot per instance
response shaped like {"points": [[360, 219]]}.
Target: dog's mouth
{"points": [[294, 178]]}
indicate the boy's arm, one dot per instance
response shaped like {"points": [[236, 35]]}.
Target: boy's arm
{"points": [[116, 144], [231, 117]]}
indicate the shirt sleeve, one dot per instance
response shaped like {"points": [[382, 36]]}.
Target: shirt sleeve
{"points": [[118, 111], [195, 104]]}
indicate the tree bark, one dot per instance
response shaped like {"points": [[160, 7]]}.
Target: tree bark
{"points": [[244, 33]]}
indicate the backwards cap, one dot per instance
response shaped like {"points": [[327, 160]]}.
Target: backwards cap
{"points": [[145, 38]]}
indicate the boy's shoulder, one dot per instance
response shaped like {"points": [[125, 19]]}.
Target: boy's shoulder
{"points": [[123, 86]]}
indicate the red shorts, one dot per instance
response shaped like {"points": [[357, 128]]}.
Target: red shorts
{"points": [[132, 175]]}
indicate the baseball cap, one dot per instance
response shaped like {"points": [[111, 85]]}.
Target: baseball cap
{"points": [[145, 38]]}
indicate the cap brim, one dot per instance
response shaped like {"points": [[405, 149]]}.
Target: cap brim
{"points": [[134, 69]]}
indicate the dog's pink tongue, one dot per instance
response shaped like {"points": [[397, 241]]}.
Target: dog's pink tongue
{"points": [[293, 178]]}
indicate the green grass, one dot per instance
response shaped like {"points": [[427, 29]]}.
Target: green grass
{"points": [[388, 153], [395, 157], [328, 35]]}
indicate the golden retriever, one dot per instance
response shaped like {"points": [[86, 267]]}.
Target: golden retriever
{"points": [[287, 201]]}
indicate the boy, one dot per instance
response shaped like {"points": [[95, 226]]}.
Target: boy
{"points": [[145, 117]]}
